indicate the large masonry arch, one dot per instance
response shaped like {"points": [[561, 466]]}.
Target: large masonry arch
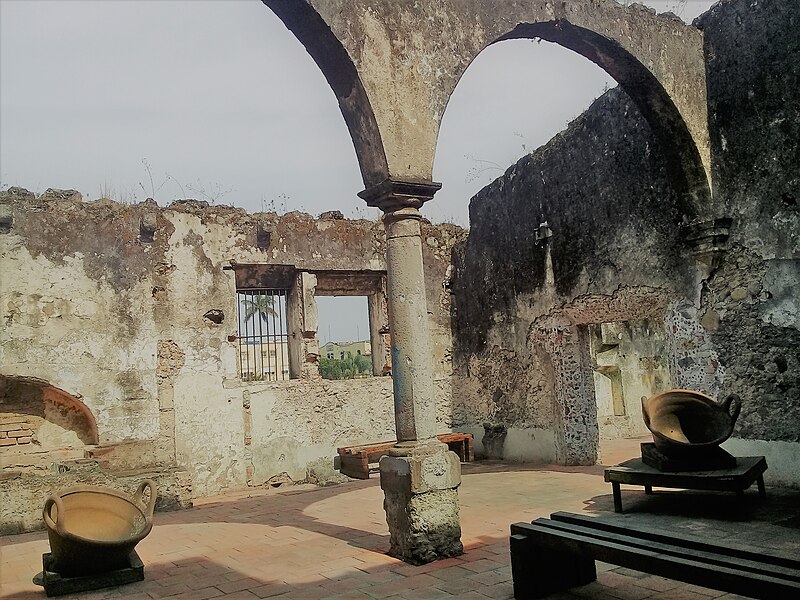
{"points": [[394, 65]]}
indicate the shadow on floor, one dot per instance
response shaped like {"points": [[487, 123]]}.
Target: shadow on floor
{"points": [[780, 505], [201, 577]]}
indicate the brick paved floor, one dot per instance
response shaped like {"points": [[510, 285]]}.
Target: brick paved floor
{"points": [[305, 542]]}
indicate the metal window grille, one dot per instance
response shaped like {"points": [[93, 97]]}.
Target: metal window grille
{"points": [[263, 334]]}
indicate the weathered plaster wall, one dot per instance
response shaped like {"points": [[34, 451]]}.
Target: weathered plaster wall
{"points": [[629, 361], [107, 302], [615, 219], [67, 298]]}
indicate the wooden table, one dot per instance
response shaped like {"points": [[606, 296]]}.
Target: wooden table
{"points": [[634, 472]]}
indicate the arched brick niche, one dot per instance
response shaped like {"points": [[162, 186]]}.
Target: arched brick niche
{"points": [[40, 423]]}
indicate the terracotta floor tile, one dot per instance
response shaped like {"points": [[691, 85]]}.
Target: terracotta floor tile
{"points": [[679, 594], [351, 595], [271, 590], [630, 591], [456, 586], [308, 543], [658, 584], [498, 590], [490, 577], [452, 573], [202, 594], [482, 565]]}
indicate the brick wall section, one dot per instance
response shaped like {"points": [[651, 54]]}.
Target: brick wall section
{"points": [[15, 431]]}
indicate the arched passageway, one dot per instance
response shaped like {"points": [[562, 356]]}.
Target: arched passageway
{"points": [[393, 67]]}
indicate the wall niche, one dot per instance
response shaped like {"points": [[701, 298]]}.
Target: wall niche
{"points": [[40, 424]]}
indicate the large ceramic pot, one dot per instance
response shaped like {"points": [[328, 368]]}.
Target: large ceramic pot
{"points": [[94, 529], [685, 423]]}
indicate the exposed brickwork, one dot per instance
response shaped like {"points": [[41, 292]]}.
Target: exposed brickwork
{"points": [[14, 432], [170, 359]]}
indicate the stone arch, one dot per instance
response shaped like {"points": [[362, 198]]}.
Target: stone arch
{"points": [[685, 163], [54, 416], [394, 66]]}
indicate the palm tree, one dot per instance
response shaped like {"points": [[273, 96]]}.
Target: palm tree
{"points": [[261, 305]]}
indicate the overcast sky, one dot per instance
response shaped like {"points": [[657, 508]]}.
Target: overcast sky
{"points": [[222, 103]]}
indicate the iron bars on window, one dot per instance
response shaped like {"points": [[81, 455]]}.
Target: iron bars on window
{"points": [[263, 334]]}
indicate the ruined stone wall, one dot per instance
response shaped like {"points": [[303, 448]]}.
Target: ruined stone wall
{"points": [[613, 249], [130, 310], [751, 305], [629, 361], [607, 249]]}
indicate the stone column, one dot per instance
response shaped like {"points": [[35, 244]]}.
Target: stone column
{"points": [[420, 476]]}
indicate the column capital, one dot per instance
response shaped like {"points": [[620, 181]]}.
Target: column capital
{"points": [[392, 194]]}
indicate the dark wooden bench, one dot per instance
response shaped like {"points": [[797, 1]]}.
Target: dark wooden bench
{"points": [[553, 555], [354, 461]]}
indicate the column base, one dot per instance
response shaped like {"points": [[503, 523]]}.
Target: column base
{"points": [[421, 502]]}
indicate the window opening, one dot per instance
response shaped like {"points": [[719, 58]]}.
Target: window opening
{"points": [[263, 334], [344, 334], [606, 359]]}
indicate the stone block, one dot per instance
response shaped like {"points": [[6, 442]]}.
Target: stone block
{"points": [[147, 226], [166, 422], [421, 473], [166, 397], [423, 527], [312, 348], [421, 502], [739, 294], [20, 433], [308, 285]]}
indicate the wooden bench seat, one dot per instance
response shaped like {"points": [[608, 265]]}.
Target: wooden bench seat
{"points": [[354, 461], [552, 555]]}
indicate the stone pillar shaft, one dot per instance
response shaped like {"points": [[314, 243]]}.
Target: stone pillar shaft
{"points": [[420, 476], [412, 371]]}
